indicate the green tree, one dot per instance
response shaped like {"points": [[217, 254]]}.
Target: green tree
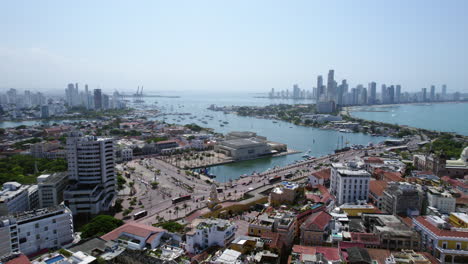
{"points": [[100, 225]]}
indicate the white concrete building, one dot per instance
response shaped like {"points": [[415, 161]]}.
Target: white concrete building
{"points": [[206, 233], [136, 236], [14, 197], [51, 188], [349, 183], [91, 174], [442, 200], [32, 231]]}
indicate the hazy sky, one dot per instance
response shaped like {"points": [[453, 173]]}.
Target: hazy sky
{"points": [[232, 45]]}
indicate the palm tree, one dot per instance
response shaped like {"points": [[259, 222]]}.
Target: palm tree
{"points": [[176, 211]]}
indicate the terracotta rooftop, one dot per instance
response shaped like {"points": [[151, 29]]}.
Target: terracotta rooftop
{"points": [[323, 174], [317, 220], [365, 238], [140, 230], [377, 187], [330, 253], [439, 232], [374, 160], [21, 259], [378, 255]]}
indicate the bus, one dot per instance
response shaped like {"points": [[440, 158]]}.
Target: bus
{"points": [[274, 179], [140, 215], [181, 199]]}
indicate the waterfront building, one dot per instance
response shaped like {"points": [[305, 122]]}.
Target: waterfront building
{"points": [[424, 94], [14, 197], [32, 231], [314, 231], [401, 198], [446, 243], [349, 183], [383, 94], [91, 173], [320, 88], [459, 167], [205, 233], [432, 94], [244, 148], [51, 188], [391, 94], [136, 236], [331, 86], [296, 92], [372, 93], [398, 94], [444, 92], [97, 99]]}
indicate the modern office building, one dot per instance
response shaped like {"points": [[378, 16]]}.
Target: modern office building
{"points": [[32, 231], [51, 188], [432, 94], [92, 180], [383, 94], [349, 183], [296, 92], [444, 92], [331, 86], [424, 94], [320, 88], [14, 197], [372, 93], [398, 94], [97, 99], [391, 94]]}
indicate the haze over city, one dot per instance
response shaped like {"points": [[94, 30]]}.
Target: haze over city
{"points": [[242, 46]]}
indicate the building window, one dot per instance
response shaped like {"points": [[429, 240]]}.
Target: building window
{"points": [[444, 245], [458, 246]]}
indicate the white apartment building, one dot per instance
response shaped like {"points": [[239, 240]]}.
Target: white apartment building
{"points": [[91, 174], [31, 231], [442, 200], [51, 188], [349, 183], [206, 233], [13, 198]]}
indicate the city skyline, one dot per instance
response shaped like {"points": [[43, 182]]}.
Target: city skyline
{"points": [[241, 47]]}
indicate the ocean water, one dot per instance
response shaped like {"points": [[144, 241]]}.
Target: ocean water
{"points": [[447, 117], [319, 142]]}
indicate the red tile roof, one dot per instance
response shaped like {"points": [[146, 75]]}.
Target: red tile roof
{"points": [[439, 232], [387, 175], [323, 174], [318, 220], [377, 187], [133, 228], [21, 259], [330, 253], [378, 255], [373, 160]]}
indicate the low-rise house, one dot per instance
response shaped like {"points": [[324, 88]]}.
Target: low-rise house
{"points": [[376, 192], [321, 177], [206, 233], [136, 236], [314, 231]]}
